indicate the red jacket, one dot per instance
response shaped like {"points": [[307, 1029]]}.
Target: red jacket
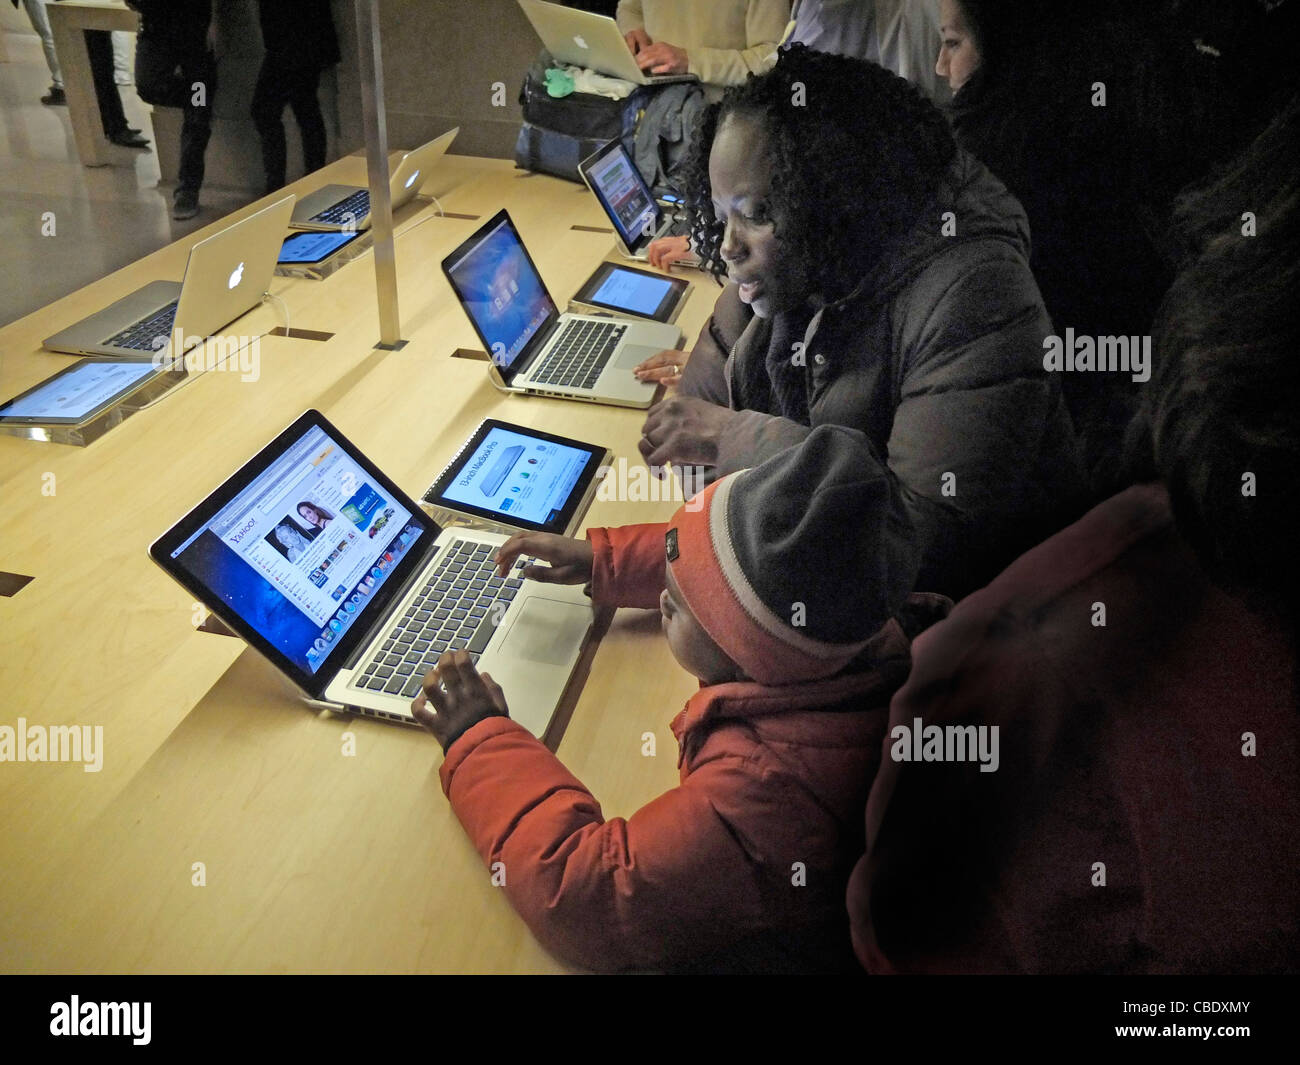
{"points": [[1121, 746], [742, 866]]}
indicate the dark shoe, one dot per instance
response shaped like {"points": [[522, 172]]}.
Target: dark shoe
{"points": [[55, 97], [185, 204], [129, 139]]}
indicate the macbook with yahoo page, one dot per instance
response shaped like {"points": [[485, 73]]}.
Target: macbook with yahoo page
{"points": [[340, 208], [320, 562], [589, 40], [227, 275], [535, 349]]}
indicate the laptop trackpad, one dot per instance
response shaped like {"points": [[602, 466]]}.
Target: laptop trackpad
{"points": [[546, 631], [634, 355]]}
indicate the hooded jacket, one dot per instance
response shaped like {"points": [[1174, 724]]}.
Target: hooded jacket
{"points": [[742, 866], [937, 357]]}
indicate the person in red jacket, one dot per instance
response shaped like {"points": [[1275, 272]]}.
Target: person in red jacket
{"points": [[743, 866], [1140, 668]]}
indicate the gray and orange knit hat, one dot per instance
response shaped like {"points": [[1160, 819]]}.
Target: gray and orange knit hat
{"points": [[793, 565]]}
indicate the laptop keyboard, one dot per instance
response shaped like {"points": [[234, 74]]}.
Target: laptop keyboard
{"points": [[357, 206], [459, 606], [579, 354], [148, 334]]}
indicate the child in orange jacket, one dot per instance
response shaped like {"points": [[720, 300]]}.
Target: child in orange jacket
{"points": [[776, 587]]}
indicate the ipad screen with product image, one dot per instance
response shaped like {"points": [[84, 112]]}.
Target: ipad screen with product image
{"points": [[83, 389], [518, 477]]}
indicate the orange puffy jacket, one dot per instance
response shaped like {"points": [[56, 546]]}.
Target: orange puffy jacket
{"points": [[742, 866]]}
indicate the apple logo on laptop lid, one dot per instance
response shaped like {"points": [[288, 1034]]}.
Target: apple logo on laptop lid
{"points": [[577, 39], [236, 276], [412, 179]]}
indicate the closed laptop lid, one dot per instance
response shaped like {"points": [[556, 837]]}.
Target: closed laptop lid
{"points": [[413, 168], [228, 272], [502, 293], [302, 550], [583, 38]]}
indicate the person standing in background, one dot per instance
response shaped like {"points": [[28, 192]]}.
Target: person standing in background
{"points": [[175, 66], [897, 34], [121, 57], [300, 42], [99, 48], [41, 24], [721, 43]]}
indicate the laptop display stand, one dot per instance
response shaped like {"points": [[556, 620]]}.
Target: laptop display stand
{"points": [[214, 625], [109, 418], [323, 269]]}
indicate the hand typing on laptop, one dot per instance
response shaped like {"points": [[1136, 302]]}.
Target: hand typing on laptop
{"points": [[662, 58], [461, 698], [655, 58], [570, 560]]}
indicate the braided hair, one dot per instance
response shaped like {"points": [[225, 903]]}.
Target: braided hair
{"points": [[857, 154]]}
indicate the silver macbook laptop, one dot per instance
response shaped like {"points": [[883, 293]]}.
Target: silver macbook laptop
{"points": [[335, 208], [332, 572], [589, 40], [534, 348], [616, 182], [227, 274]]}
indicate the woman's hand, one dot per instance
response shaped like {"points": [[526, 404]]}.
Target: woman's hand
{"points": [[461, 698], [685, 431], [664, 369], [570, 560], [662, 253]]}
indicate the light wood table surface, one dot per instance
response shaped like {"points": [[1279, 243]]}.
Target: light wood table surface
{"points": [[315, 861]]}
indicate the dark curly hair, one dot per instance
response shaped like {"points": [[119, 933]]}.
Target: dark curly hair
{"points": [[857, 155]]}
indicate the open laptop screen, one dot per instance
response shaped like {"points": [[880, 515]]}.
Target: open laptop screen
{"points": [[303, 545], [500, 289], [623, 193]]}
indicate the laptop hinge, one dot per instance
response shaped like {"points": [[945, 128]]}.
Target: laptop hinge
{"points": [[540, 343]]}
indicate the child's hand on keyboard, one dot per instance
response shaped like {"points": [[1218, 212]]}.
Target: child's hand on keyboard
{"points": [[570, 560], [461, 697]]}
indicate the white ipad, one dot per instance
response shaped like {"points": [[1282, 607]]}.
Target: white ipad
{"points": [[81, 392]]}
